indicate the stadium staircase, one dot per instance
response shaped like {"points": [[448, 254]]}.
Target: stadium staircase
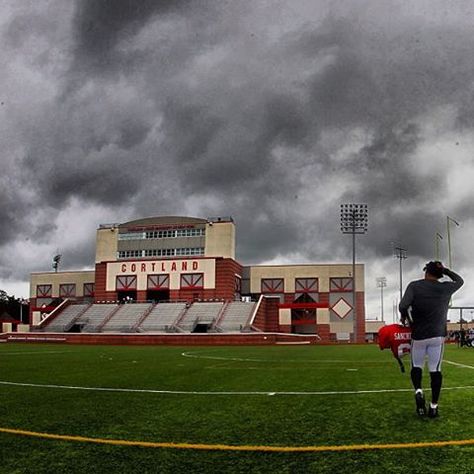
{"points": [[96, 316], [66, 318], [200, 314], [235, 316], [162, 317], [125, 318]]}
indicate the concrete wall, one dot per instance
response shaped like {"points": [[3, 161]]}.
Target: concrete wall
{"points": [[106, 244], [220, 240]]}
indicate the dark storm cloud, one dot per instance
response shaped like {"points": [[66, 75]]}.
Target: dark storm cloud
{"points": [[225, 108], [100, 24]]}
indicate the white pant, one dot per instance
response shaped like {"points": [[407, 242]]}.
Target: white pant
{"points": [[432, 348]]}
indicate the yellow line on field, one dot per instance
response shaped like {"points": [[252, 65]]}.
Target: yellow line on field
{"points": [[225, 447]]}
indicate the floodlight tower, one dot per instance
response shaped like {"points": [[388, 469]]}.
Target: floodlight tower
{"points": [[400, 253], [56, 260], [381, 283], [448, 221], [354, 220], [438, 237]]}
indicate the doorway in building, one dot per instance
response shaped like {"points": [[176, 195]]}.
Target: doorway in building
{"points": [[303, 321], [303, 317], [158, 295], [127, 296]]}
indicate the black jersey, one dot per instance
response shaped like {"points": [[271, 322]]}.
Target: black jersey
{"points": [[429, 302]]}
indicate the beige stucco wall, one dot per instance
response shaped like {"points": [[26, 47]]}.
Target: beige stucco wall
{"points": [[290, 272], [285, 316], [323, 316], [143, 268], [342, 326], [7, 327], [220, 240], [106, 244], [55, 279]]}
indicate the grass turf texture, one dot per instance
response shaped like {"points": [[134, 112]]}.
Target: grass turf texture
{"points": [[270, 420]]}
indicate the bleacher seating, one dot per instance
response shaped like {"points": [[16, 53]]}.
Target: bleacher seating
{"points": [[126, 317], [235, 316], [65, 318], [202, 313], [93, 318], [162, 317]]}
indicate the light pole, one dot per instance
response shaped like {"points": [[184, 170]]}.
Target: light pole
{"points": [[438, 237], [56, 260], [354, 220], [381, 283], [448, 220], [400, 253]]}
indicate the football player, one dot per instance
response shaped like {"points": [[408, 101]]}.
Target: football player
{"points": [[425, 306]]}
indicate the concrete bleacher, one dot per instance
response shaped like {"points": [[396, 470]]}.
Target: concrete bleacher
{"points": [[200, 313], [126, 317], [235, 316], [94, 317], [162, 317], [65, 319]]}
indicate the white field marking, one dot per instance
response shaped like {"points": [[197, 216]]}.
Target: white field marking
{"points": [[189, 392], [238, 359], [37, 352], [457, 364]]}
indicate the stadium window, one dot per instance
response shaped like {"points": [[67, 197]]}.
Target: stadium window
{"points": [[126, 282], [339, 285], [88, 289], [131, 236], [192, 280], [67, 290], [272, 285], [44, 291], [306, 289]]}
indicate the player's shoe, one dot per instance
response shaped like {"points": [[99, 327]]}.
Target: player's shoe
{"points": [[420, 404], [433, 412]]}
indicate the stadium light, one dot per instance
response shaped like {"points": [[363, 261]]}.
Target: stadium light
{"points": [[450, 259], [56, 260], [400, 253], [354, 220], [448, 220], [438, 237], [381, 283]]}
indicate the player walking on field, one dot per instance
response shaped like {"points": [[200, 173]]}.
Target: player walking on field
{"points": [[425, 306]]}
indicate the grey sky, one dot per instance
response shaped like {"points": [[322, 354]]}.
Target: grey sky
{"points": [[274, 112]]}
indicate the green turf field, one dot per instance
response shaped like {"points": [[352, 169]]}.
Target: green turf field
{"points": [[279, 396]]}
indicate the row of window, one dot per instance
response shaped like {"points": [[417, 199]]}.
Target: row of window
{"points": [[308, 286], [162, 234], [161, 252], [305, 285], [66, 290]]}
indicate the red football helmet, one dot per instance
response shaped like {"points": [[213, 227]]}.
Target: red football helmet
{"points": [[397, 338]]}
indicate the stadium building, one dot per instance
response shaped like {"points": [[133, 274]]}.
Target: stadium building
{"points": [[180, 275]]}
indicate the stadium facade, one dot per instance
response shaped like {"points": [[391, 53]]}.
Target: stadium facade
{"points": [[192, 260]]}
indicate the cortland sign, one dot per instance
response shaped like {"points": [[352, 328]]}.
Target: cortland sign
{"points": [[160, 266], [174, 268]]}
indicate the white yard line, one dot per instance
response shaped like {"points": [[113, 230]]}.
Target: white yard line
{"points": [[457, 364], [36, 352], [197, 355], [227, 393]]}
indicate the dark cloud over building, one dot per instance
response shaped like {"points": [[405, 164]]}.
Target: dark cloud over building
{"points": [[274, 112]]}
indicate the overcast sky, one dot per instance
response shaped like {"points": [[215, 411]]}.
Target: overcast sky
{"points": [[273, 112]]}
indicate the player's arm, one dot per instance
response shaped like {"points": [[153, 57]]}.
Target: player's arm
{"points": [[405, 303], [457, 279]]}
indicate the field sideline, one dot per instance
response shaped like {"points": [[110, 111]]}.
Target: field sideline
{"points": [[279, 398]]}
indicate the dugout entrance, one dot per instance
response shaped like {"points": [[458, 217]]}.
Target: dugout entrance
{"points": [[158, 295], [304, 315]]}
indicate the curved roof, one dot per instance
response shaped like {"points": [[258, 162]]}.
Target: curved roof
{"points": [[163, 220]]}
